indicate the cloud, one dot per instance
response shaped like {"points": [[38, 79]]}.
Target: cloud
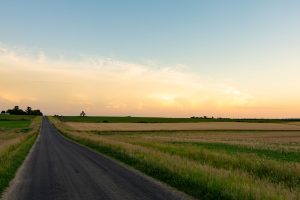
{"points": [[241, 99], [107, 86]]}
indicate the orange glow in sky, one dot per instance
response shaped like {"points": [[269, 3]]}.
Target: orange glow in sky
{"points": [[113, 87]]}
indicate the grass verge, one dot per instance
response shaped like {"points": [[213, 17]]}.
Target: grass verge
{"points": [[277, 172], [13, 155], [12, 158]]}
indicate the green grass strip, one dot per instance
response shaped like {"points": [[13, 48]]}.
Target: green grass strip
{"points": [[236, 149], [277, 172], [12, 158]]}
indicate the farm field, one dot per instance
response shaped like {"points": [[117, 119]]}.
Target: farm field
{"points": [[14, 121], [128, 119], [14, 124], [17, 134], [183, 126], [207, 164], [16, 117]]}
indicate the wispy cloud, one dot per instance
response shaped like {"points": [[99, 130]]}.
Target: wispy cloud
{"points": [[112, 87]]}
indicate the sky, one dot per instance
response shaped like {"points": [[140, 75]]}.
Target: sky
{"points": [[175, 58]]}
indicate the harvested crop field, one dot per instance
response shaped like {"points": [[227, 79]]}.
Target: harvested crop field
{"points": [[263, 163], [130, 119], [182, 126]]}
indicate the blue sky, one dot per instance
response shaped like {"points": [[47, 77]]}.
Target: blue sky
{"points": [[243, 43], [190, 32]]}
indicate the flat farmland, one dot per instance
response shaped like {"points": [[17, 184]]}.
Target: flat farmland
{"points": [[129, 119], [212, 160], [17, 134], [183, 126], [14, 121], [14, 124], [12, 129]]}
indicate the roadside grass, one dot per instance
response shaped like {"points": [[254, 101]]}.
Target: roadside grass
{"points": [[277, 172], [200, 172], [14, 146], [12, 158], [129, 119]]}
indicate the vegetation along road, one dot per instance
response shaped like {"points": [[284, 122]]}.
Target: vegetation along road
{"points": [[60, 169]]}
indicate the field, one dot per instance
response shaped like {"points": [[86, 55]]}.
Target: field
{"points": [[17, 134], [182, 126], [129, 119], [16, 117], [206, 164], [14, 124], [15, 121]]}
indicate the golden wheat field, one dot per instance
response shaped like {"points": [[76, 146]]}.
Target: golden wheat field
{"points": [[182, 126]]}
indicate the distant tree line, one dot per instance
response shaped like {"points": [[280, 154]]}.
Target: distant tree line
{"points": [[18, 111], [204, 117]]}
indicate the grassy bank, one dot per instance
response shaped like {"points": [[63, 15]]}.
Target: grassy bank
{"points": [[203, 171], [15, 145]]}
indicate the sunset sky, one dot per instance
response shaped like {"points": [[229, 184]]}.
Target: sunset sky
{"points": [[176, 58]]}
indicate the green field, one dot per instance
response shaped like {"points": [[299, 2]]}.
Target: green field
{"points": [[15, 124], [231, 149], [15, 121], [17, 135], [16, 117], [111, 119], [207, 164]]}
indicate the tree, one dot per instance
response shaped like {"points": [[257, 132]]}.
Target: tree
{"points": [[36, 112], [3, 112], [16, 111], [28, 110], [82, 114]]}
